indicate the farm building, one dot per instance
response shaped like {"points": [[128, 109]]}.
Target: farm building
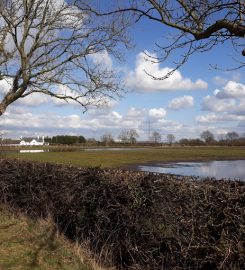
{"points": [[32, 141]]}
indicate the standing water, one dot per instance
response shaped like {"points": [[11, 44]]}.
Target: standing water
{"points": [[233, 169]]}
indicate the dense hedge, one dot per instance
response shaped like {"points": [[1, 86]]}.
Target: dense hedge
{"points": [[135, 220]]}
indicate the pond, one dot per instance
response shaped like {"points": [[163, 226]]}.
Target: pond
{"points": [[233, 169], [34, 151]]}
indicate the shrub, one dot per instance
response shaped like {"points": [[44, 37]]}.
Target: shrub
{"points": [[135, 220]]}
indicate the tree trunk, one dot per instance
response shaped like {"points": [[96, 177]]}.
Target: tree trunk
{"points": [[8, 99], [3, 107]]}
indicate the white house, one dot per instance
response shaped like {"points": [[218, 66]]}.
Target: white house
{"points": [[32, 141]]}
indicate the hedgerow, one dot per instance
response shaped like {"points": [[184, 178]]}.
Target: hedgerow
{"points": [[135, 220]]}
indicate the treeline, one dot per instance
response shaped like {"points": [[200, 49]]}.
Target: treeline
{"points": [[224, 142], [65, 139], [129, 137]]}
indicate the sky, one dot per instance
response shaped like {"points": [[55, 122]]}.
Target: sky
{"points": [[195, 98]]}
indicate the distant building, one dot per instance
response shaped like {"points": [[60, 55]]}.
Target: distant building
{"points": [[32, 141]]}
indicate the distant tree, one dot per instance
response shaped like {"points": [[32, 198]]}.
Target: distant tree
{"points": [[207, 136], [81, 139], [128, 136], [107, 139], [184, 141], [133, 136], [231, 137], [191, 142], [47, 139], [67, 139], [155, 137], [123, 136], [91, 141], [170, 138], [195, 142], [221, 137]]}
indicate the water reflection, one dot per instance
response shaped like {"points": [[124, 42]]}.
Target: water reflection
{"points": [[233, 169], [34, 151], [114, 149], [72, 149]]}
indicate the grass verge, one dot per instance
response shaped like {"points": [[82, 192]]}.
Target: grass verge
{"points": [[27, 244]]}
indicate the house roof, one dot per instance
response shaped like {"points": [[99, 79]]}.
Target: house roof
{"points": [[32, 138]]}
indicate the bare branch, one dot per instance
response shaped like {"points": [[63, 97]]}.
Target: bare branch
{"points": [[201, 25], [46, 45]]}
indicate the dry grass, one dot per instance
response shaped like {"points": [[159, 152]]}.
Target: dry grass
{"points": [[27, 244]]}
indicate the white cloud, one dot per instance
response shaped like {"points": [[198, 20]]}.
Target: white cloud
{"points": [[231, 90], [139, 80], [157, 113], [53, 123], [17, 121], [90, 102], [240, 108], [71, 16], [220, 80], [5, 85], [135, 112], [211, 103], [181, 103], [227, 76], [168, 126], [212, 118], [67, 17], [231, 99], [34, 99], [102, 58], [42, 121], [133, 118]]}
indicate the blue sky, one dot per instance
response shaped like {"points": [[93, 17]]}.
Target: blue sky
{"points": [[193, 99]]}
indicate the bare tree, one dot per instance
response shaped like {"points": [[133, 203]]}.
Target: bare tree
{"points": [[221, 138], [133, 136], [52, 47], [170, 138], [107, 139], [155, 137], [198, 25], [128, 136], [123, 136], [231, 136], [207, 136]]}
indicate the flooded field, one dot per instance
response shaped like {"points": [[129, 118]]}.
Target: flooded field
{"points": [[161, 160], [233, 169]]}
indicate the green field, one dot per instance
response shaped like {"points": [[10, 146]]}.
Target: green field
{"points": [[111, 158]]}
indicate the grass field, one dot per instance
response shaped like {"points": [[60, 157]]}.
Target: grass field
{"points": [[110, 158]]}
